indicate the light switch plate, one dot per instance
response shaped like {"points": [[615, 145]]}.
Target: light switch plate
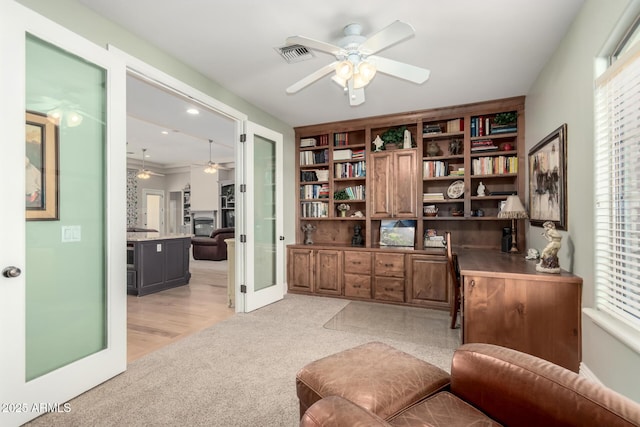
{"points": [[71, 233]]}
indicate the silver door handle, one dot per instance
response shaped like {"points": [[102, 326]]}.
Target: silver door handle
{"points": [[11, 271]]}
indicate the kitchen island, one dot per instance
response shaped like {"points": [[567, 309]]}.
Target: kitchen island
{"points": [[156, 262]]}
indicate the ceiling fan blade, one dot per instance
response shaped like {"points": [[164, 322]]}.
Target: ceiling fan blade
{"points": [[311, 78], [388, 36], [315, 45], [400, 69], [356, 96]]}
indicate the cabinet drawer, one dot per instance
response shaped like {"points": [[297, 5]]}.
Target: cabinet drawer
{"points": [[389, 265], [357, 285], [357, 262], [389, 289]]}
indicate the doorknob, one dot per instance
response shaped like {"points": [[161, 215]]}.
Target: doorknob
{"points": [[11, 271]]}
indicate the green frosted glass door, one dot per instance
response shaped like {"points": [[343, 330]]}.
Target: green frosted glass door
{"points": [[62, 214], [264, 245], [65, 208]]}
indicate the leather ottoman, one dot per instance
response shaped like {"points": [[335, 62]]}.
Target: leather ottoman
{"points": [[376, 376]]}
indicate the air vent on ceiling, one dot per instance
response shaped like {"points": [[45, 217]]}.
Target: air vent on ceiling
{"points": [[295, 53]]}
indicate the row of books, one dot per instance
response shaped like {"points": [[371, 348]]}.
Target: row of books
{"points": [[434, 168], [350, 170], [483, 145], [494, 165], [482, 126], [314, 209], [455, 125], [314, 191], [340, 139], [314, 157], [356, 192]]}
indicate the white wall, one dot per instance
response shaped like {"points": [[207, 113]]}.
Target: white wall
{"points": [[563, 93]]}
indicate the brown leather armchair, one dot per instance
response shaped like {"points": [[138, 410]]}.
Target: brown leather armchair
{"points": [[493, 386], [212, 248]]}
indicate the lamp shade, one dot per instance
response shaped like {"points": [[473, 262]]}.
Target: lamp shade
{"points": [[513, 209]]}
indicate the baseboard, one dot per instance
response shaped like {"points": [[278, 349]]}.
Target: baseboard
{"points": [[587, 373]]}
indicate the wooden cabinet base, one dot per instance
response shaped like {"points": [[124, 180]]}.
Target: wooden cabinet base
{"points": [[387, 275]]}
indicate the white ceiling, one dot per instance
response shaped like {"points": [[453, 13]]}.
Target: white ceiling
{"points": [[476, 50]]}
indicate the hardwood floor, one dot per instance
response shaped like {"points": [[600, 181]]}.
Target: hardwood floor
{"points": [[159, 319]]}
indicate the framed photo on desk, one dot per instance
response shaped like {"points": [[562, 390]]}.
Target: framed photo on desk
{"points": [[548, 180]]}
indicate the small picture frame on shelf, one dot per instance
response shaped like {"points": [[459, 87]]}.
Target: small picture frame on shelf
{"points": [[397, 233]]}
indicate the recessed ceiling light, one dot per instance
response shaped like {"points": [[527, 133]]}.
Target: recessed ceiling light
{"points": [[193, 111], [164, 132]]}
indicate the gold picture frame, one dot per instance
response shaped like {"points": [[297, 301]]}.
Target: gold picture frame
{"points": [[41, 167]]}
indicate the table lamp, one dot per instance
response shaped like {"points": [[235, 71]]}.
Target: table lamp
{"points": [[513, 210]]}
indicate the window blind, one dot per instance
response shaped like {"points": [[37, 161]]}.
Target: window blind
{"points": [[617, 189]]}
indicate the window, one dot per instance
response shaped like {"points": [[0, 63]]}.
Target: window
{"points": [[617, 184]]}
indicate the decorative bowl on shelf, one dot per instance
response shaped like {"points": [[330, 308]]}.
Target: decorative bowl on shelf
{"points": [[430, 211]]}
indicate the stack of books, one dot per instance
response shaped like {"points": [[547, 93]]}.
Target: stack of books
{"points": [[342, 154], [431, 129], [308, 142], [483, 145], [427, 197]]}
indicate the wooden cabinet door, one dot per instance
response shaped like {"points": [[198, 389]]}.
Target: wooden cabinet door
{"points": [[536, 317], [380, 172], [428, 281], [395, 184], [300, 270], [357, 285], [405, 182], [388, 288], [328, 272]]}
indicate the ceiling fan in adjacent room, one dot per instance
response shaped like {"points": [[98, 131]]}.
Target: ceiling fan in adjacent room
{"points": [[146, 173], [356, 63], [211, 166]]}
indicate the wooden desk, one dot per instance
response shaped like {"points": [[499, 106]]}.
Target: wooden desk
{"points": [[505, 301]]}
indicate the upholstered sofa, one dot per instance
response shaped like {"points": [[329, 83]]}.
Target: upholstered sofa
{"points": [[212, 248], [492, 386]]}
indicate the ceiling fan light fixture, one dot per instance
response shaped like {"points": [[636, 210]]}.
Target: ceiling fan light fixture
{"points": [[339, 81], [211, 168], [344, 70], [143, 174], [367, 70]]}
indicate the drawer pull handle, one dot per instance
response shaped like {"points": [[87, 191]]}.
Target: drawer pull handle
{"points": [[356, 262], [388, 265], [389, 289], [356, 286]]}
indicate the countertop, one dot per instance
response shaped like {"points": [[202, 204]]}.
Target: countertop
{"points": [[147, 236]]}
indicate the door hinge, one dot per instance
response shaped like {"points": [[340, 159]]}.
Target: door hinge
{"points": [[243, 289], [243, 238], [243, 137], [281, 237], [243, 188]]}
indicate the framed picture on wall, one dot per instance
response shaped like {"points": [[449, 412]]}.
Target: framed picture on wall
{"points": [[41, 167], [548, 180]]}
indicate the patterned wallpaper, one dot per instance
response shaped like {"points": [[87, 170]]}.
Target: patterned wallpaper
{"points": [[132, 198]]}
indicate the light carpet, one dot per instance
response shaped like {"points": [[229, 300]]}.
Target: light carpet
{"points": [[239, 372]]}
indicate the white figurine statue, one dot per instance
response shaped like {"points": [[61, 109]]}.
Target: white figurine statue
{"points": [[378, 142], [407, 139], [549, 258], [481, 189]]}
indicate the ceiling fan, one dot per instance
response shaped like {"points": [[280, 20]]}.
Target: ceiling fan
{"points": [[146, 173], [213, 167], [356, 63]]}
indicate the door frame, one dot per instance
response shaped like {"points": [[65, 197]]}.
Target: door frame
{"points": [[62, 384], [154, 76]]}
